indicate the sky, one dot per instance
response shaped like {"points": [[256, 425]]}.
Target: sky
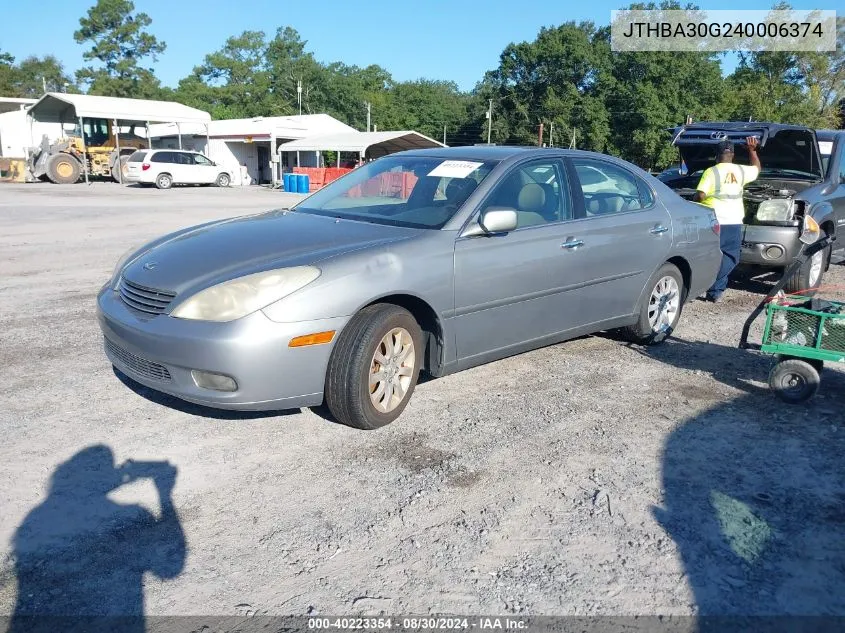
{"points": [[458, 40]]}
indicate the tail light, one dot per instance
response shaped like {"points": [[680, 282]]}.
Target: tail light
{"points": [[715, 226], [145, 166]]}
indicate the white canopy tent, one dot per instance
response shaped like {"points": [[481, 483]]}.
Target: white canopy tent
{"points": [[61, 107], [365, 144]]}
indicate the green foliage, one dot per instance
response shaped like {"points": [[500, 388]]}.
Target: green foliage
{"points": [[567, 79], [119, 42], [29, 77]]}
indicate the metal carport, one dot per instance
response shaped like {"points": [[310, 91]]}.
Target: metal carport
{"points": [[61, 107], [365, 144]]}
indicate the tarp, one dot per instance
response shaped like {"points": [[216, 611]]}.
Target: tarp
{"points": [[372, 144], [59, 106]]}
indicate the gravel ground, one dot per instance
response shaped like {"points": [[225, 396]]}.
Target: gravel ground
{"points": [[585, 478]]}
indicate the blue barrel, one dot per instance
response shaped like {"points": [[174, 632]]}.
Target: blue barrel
{"points": [[288, 182], [302, 183]]}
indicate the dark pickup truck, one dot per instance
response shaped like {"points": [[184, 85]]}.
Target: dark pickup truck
{"points": [[803, 179]]}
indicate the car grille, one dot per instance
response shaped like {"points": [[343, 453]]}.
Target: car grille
{"points": [[144, 299], [138, 365]]}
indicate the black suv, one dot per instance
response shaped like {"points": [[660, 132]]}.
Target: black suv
{"points": [[800, 190]]}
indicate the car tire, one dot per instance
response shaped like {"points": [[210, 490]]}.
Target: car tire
{"points": [[808, 278], [63, 169], [118, 167], [794, 380], [366, 369], [223, 180], [164, 181], [661, 308]]}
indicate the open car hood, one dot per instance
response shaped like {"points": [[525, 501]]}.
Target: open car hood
{"points": [[789, 147]]}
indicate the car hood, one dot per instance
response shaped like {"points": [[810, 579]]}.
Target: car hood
{"points": [[782, 147], [219, 251]]}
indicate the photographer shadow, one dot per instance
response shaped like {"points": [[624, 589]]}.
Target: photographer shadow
{"points": [[80, 557]]}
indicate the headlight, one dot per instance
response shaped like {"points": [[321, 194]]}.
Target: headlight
{"points": [[779, 210], [234, 299]]}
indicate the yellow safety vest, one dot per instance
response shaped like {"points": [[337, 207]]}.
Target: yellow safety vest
{"points": [[722, 185]]}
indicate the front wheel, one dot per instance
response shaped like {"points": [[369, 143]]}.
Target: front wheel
{"points": [[794, 380], [374, 367], [809, 277], [223, 180], [661, 309]]}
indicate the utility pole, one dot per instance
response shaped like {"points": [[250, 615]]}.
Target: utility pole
{"points": [[489, 121], [444, 133], [44, 83], [572, 144], [540, 137], [551, 134], [369, 105], [299, 95]]}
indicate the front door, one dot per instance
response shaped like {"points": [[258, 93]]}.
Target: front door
{"points": [[509, 287]]}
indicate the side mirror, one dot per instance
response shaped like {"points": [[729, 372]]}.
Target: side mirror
{"points": [[493, 220]]}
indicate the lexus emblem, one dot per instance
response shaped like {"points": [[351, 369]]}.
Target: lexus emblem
{"points": [[150, 265], [718, 136]]}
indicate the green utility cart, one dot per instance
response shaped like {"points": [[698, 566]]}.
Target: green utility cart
{"points": [[802, 332]]}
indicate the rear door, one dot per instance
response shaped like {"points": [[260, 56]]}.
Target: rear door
{"points": [[623, 236], [133, 165]]}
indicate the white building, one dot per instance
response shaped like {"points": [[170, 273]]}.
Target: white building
{"points": [[249, 144], [17, 132]]}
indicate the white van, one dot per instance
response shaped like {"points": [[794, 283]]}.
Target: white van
{"points": [[167, 167]]}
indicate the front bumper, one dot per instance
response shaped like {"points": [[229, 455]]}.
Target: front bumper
{"points": [[160, 352], [771, 246]]}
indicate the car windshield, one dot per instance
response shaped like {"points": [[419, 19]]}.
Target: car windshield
{"points": [[771, 171], [410, 191]]}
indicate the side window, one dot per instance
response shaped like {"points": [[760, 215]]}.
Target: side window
{"points": [[161, 157], [537, 190], [199, 159], [841, 160], [610, 189]]}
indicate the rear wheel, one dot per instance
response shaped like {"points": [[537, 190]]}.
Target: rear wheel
{"points": [[794, 380], [661, 308], [63, 169], [115, 174], [164, 181], [374, 367]]}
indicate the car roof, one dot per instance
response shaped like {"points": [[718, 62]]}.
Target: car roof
{"points": [[503, 152], [828, 135]]}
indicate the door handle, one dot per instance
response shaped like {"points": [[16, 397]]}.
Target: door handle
{"points": [[572, 243], [657, 230]]}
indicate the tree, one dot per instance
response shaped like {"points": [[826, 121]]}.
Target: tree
{"points": [[34, 73], [231, 82], [119, 42], [7, 74]]}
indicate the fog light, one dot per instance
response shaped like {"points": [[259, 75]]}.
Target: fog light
{"points": [[773, 252], [217, 382]]}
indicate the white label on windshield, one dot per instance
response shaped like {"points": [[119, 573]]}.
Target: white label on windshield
{"points": [[825, 147], [454, 169]]}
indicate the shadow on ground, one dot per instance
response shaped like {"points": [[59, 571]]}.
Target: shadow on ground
{"points": [[754, 495], [80, 556]]}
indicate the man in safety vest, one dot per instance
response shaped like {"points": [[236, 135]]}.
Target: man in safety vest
{"points": [[721, 188]]}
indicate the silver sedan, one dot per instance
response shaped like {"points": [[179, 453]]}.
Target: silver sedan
{"points": [[432, 260]]}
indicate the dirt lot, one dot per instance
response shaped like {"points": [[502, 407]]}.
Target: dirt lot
{"points": [[585, 478]]}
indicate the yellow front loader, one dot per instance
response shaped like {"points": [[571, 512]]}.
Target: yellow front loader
{"points": [[64, 161]]}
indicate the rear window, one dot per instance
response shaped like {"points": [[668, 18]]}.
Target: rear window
{"points": [[137, 157]]}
